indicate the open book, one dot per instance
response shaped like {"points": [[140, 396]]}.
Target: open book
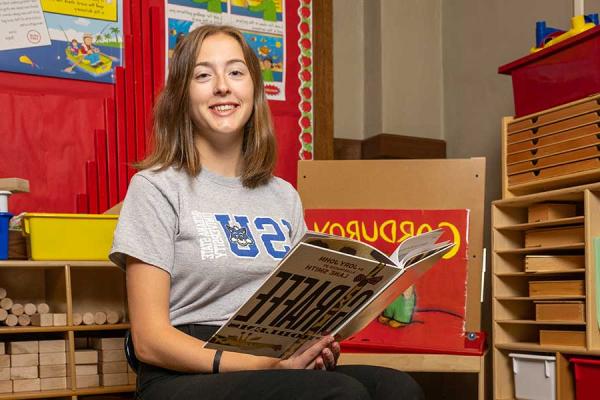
{"points": [[325, 285]]}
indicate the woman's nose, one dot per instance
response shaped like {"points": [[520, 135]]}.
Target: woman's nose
{"points": [[221, 86]]}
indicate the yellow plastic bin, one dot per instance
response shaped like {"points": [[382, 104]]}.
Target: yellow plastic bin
{"points": [[69, 236]]}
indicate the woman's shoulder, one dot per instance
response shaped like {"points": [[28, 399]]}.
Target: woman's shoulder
{"points": [[159, 176], [282, 187]]}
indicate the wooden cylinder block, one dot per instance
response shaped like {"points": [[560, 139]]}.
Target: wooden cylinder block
{"points": [[11, 320], [100, 318], [3, 314], [2, 293], [17, 309], [29, 308], [88, 318], [77, 319], [43, 308], [6, 303], [24, 320], [113, 317]]}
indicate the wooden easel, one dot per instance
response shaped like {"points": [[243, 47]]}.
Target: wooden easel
{"points": [[409, 184]]}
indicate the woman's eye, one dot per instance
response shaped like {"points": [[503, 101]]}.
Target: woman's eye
{"points": [[236, 73], [202, 76]]}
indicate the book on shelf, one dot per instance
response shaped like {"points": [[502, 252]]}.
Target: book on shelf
{"points": [[326, 284]]}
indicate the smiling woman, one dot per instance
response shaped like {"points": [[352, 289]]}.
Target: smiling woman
{"points": [[203, 224]]}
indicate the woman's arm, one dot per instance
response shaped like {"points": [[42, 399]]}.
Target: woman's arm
{"points": [[157, 342]]}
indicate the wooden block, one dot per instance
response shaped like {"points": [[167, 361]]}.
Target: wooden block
{"points": [[112, 355], [17, 246], [100, 318], [2, 348], [15, 185], [59, 319], [6, 386], [53, 371], [560, 311], [131, 378], [562, 338], [24, 320], [24, 360], [29, 309], [81, 342], [113, 367], [114, 379], [108, 343], [86, 357], [86, 369], [4, 361], [77, 319], [17, 309], [23, 372], [26, 385], [550, 211], [113, 317], [42, 320], [86, 381], [554, 236], [25, 347], [3, 293], [88, 318], [553, 263], [4, 374], [43, 308], [6, 303], [53, 383], [53, 358], [556, 288], [3, 314], [53, 346], [11, 320]]}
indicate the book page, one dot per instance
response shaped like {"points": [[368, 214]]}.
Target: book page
{"points": [[416, 243], [311, 289]]}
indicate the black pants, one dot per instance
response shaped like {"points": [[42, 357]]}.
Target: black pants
{"points": [[348, 382]]}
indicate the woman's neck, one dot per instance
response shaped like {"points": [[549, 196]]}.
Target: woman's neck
{"points": [[223, 159]]}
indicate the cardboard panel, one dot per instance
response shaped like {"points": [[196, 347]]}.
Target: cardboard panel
{"points": [[405, 184]]}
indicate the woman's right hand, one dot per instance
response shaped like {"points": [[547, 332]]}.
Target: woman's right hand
{"points": [[306, 357]]}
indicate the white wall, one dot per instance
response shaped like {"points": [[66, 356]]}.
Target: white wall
{"points": [[411, 68], [348, 69]]}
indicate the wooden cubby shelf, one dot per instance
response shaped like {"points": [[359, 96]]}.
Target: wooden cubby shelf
{"points": [[518, 325], [547, 224], [68, 287]]}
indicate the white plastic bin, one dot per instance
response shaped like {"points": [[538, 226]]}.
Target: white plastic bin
{"points": [[535, 376]]}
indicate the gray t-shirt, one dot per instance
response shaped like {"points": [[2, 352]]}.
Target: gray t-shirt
{"points": [[217, 239]]}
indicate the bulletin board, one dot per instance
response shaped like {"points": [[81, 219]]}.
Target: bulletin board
{"points": [[76, 140], [406, 185]]}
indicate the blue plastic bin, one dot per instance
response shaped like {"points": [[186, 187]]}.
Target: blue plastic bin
{"points": [[4, 218]]}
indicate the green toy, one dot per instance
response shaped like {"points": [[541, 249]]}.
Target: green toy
{"points": [[401, 311]]}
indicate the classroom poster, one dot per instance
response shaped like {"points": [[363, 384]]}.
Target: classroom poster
{"points": [[262, 23], [428, 317], [80, 39]]}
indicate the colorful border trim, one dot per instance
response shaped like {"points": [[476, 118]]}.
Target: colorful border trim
{"points": [[305, 74]]}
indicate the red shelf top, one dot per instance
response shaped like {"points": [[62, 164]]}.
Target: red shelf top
{"points": [[507, 69]]}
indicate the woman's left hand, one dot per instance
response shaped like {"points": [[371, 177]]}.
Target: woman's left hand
{"points": [[327, 360]]}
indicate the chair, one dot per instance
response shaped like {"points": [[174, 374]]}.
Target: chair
{"points": [[132, 360]]}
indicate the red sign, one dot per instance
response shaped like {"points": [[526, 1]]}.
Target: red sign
{"points": [[430, 316]]}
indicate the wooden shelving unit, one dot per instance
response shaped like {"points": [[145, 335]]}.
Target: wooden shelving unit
{"points": [[68, 287], [515, 328]]}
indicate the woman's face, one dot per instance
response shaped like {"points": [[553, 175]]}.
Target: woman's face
{"points": [[221, 89]]}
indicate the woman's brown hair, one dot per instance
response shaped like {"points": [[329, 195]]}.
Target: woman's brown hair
{"points": [[173, 128]]}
